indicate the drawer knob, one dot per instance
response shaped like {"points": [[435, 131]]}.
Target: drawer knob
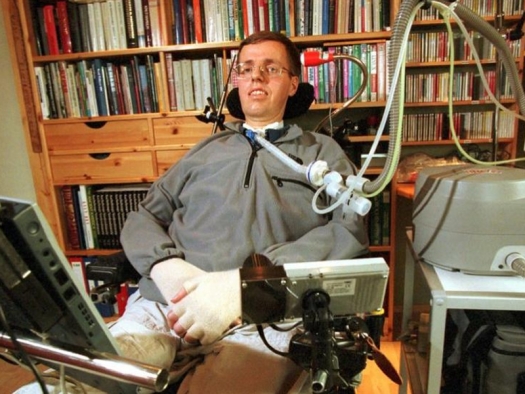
{"points": [[99, 156], [96, 124]]}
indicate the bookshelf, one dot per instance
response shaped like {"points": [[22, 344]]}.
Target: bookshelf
{"points": [[105, 111], [425, 119]]}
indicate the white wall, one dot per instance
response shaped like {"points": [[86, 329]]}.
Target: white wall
{"points": [[15, 172]]}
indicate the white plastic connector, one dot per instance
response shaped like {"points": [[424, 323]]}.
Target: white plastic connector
{"points": [[356, 183], [358, 204], [334, 184], [316, 172]]}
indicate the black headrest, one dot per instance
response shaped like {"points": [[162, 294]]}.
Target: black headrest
{"points": [[296, 105]]}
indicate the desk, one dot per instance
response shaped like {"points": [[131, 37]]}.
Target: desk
{"points": [[449, 290]]}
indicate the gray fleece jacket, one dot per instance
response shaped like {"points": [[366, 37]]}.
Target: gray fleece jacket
{"points": [[226, 200]]}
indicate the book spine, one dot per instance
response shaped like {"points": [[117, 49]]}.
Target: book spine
{"points": [[141, 25], [152, 85], [42, 31], [100, 87], [51, 30], [172, 97], [64, 27], [79, 269], [68, 201], [130, 23], [42, 92], [86, 217], [197, 18]]}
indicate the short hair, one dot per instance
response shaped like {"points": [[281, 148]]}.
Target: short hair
{"points": [[294, 56]]}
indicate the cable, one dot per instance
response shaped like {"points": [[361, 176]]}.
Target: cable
{"points": [[23, 355], [260, 330]]}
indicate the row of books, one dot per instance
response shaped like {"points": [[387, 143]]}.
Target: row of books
{"points": [[107, 308], [71, 27], [469, 125], [95, 215], [433, 46], [466, 86], [338, 81], [99, 87], [191, 82], [195, 21], [481, 7], [377, 221]]}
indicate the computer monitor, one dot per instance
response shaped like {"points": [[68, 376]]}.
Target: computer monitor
{"points": [[42, 298]]}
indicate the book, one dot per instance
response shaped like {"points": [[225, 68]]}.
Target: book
{"points": [[152, 84], [187, 84], [137, 84], [170, 82], [93, 28], [141, 23], [51, 29], [145, 89], [197, 83], [41, 29], [197, 21], [100, 35], [130, 23], [86, 217], [91, 94], [71, 224], [64, 88], [121, 24], [85, 28], [79, 269], [161, 88], [42, 91], [73, 87], [155, 22], [206, 77], [126, 90], [111, 88], [64, 27], [100, 87], [179, 92]]}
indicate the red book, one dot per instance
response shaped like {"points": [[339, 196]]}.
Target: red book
{"points": [[245, 17], [256, 23], [51, 29], [63, 27], [184, 19], [197, 18], [71, 221]]}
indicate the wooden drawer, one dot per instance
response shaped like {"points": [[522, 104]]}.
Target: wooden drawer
{"points": [[95, 135], [114, 167], [166, 158], [182, 131]]}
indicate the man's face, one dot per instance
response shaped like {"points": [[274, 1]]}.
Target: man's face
{"points": [[263, 97]]}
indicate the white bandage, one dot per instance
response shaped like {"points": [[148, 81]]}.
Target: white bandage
{"points": [[170, 275], [212, 304]]}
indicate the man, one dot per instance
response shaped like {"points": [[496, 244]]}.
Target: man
{"points": [[225, 203]]}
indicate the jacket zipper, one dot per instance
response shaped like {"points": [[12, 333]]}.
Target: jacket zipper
{"points": [[253, 155]]}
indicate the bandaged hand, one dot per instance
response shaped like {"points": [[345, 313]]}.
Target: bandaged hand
{"points": [[170, 275], [207, 306]]}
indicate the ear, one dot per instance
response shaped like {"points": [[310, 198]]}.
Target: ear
{"points": [[294, 86]]}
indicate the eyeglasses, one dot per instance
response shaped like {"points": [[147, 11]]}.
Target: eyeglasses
{"points": [[245, 70]]}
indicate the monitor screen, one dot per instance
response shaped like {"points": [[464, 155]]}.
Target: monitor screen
{"points": [[40, 295]]}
